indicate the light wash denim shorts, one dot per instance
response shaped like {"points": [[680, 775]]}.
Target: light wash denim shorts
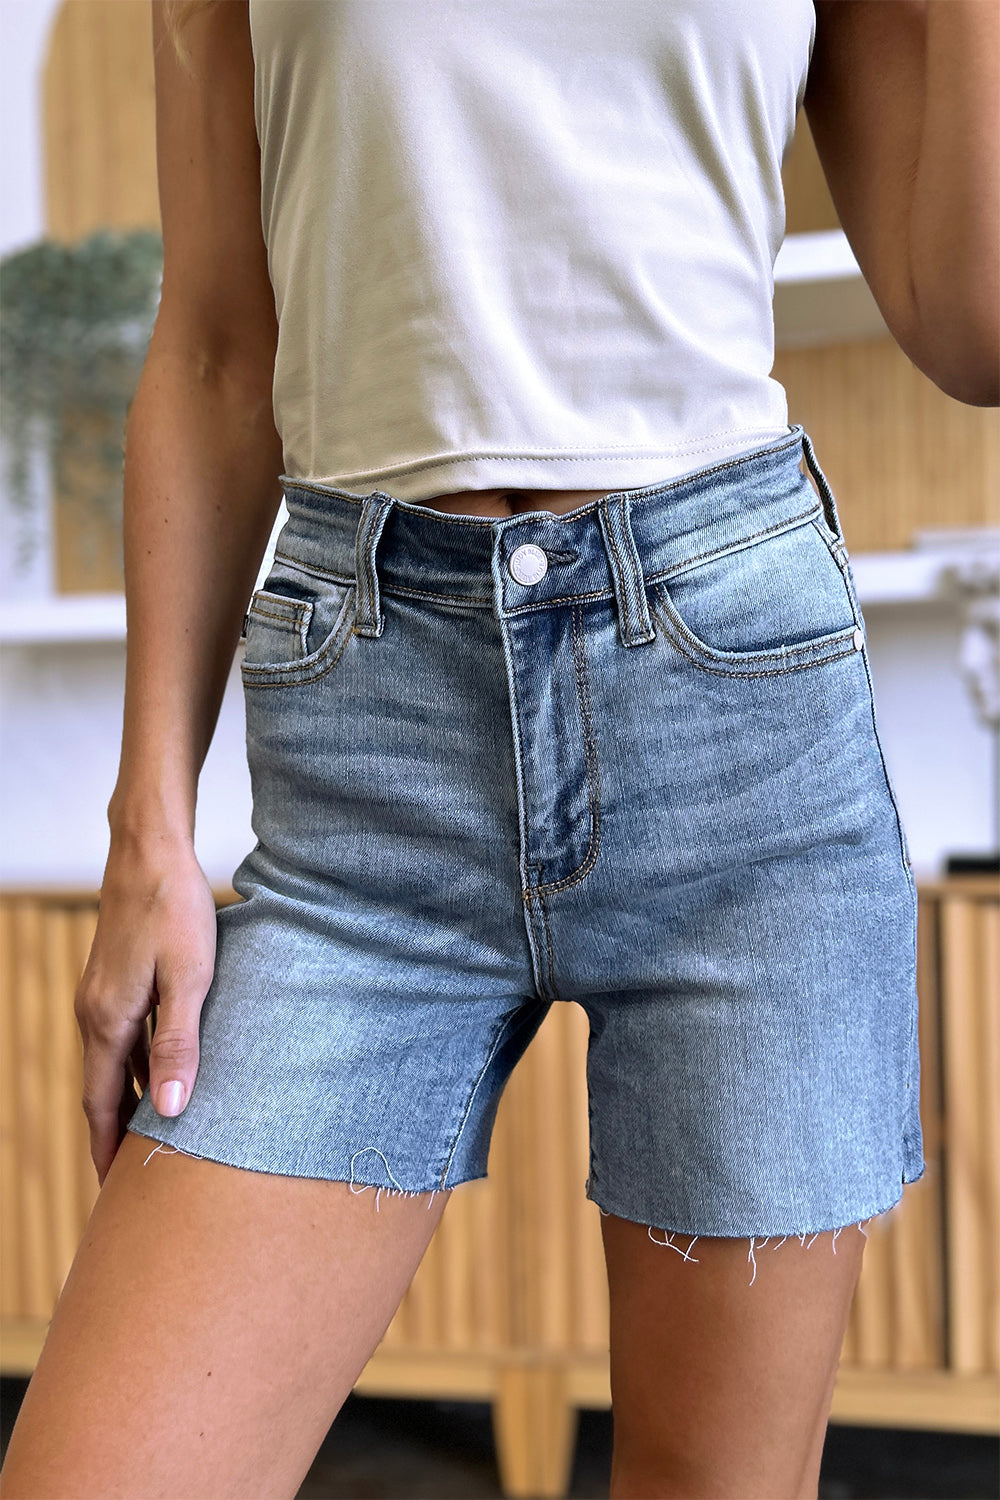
{"points": [[624, 757]]}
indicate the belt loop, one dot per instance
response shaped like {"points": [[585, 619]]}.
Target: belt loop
{"points": [[635, 626], [375, 508], [829, 503]]}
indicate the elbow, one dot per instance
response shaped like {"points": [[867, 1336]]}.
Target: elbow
{"points": [[960, 353], [973, 381]]}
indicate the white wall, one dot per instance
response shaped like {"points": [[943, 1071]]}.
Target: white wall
{"points": [[940, 758], [59, 745]]}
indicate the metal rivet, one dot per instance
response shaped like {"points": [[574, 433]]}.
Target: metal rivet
{"points": [[859, 640], [528, 564]]}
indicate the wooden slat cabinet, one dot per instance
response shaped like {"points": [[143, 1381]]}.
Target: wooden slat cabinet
{"points": [[510, 1303]]}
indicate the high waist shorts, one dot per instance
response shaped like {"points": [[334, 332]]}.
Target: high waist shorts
{"points": [[624, 758]]}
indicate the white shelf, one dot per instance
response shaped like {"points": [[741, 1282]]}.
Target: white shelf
{"points": [[824, 255], [820, 295], [63, 619], [900, 577]]}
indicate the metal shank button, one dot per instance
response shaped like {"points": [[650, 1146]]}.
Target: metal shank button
{"points": [[528, 564]]}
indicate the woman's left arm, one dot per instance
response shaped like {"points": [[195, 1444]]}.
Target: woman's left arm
{"points": [[903, 102]]}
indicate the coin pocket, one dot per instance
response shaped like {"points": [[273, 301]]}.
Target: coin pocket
{"points": [[295, 625]]}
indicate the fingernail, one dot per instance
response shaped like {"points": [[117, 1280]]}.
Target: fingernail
{"points": [[171, 1098]]}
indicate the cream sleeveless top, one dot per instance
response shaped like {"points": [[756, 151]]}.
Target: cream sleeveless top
{"points": [[524, 243]]}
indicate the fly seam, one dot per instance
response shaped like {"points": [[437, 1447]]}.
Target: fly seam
{"points": [[590, 760]]}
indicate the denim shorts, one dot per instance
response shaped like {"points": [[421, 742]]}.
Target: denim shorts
{"points": [[625, 757]]}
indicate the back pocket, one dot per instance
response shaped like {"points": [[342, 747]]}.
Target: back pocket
{"points": [[773, 603]]}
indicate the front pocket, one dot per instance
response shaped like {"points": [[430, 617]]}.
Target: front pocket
{"points": [[773, 603], [297, 625]]}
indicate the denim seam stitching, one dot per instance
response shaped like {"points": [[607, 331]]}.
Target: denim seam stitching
{"points": [[698, 1233], [786, 524], [907, 865], [548, 944], [528, 897], [290, 677], [914, 914], [702, 656], [298, 619], [885, 770], [628, 626], [621, 603], [590, 761], [297, 609], [835, 544], [481, 601], [590, 1118], [314, 569]]}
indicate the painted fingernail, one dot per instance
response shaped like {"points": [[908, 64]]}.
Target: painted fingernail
{"points": [[171, 1098]]}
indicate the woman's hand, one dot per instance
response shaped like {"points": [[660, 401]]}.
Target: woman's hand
{"points": [[154, 945]]}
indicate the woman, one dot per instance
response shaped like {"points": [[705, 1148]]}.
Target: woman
{"points": [[556, 690]]}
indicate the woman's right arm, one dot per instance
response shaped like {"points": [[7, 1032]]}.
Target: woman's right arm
{"points": [[201, 491]]}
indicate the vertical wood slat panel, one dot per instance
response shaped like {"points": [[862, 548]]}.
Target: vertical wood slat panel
{"points": [[422, 1316], [100, 121], [897, 1317], [990, 919], [83, 923], [971, 1072], [456, 1265], [553, 1250], [10, 1164], [37, 1277], [918, 1269], [964, 1157], [899, 453], [519, 1127], [49, 1181], [502, 1229], [591, 1331], [872, 1309], [63, 1086]]}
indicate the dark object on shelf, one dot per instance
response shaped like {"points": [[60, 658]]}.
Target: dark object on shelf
{"points": [[972, 864]]}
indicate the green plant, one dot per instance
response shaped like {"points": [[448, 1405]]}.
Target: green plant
{"points": [[75, 324]]}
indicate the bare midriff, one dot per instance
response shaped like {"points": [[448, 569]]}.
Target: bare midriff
{"points": [[510, 502]]}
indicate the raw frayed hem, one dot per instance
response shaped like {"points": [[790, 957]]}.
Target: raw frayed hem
{"points": [[756, 1242], [759, 1244], [393, 1192], [171, 1150], [355, 1186]]}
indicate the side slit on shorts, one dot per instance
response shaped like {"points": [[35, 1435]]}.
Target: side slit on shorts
{"points": [[625, 757]]}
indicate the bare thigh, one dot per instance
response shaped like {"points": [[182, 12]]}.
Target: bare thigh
{"points": [[212, 1324], [722, 1377]]}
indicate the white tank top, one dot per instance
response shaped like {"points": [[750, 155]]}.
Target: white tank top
{"points": [[524, 243]]}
